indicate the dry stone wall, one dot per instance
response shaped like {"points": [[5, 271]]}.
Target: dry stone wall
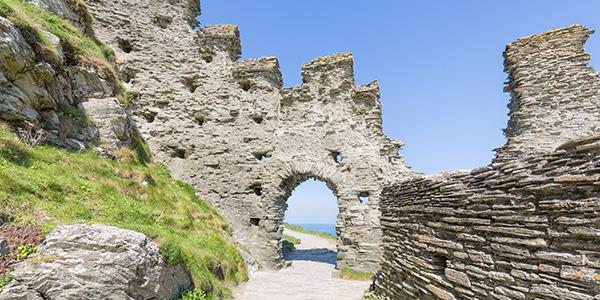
{"points": [[525, 226], [555, 94], [228, 127]]}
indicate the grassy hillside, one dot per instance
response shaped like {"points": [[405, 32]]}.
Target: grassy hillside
{"points": [[34, 19], [313, 232], [47, 186]]}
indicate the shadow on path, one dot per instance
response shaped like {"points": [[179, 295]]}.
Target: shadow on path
{"points": [[322, 255]]}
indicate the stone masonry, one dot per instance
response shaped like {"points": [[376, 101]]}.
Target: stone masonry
{"points": [[525, 226], [228, 126]]}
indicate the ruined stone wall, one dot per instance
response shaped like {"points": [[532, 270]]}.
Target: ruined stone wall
{"points": [[555, 94], [526, 226], [228, 127]]}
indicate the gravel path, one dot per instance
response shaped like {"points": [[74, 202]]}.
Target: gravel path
{"points": [[308, 278]]}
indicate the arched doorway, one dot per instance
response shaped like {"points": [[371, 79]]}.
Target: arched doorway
{"points": [[310, 224]]}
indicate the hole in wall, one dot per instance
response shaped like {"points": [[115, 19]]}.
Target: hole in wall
{"points": [[262, 156], [246, 85], [128, 74], [439, 262], [199, 118], [191, 83], [257, 189], [163, 21], [312, 205], [255, 221], [207, 58], [176, 151], [363, 197], [257, 119], [337, 157], [125, 45], [150, 115]]}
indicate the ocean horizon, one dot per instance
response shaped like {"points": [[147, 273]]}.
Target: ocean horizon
{"points": [[326, 228]]}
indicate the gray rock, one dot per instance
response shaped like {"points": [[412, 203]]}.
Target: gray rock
{"points": [[3, 247], [96, 262], [110, 119]]}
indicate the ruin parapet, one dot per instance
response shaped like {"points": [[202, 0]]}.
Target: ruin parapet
{"points": [[555, 94]]}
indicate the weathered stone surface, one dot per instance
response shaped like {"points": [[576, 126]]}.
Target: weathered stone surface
{"points": [[42, 91], [96, 262], [548, 108], [3, 247], [532, 215], [228, 127], [110, 119]]}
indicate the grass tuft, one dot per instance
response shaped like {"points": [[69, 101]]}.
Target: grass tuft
{"points": [[4, 280], [48, 186], [350, 274]]}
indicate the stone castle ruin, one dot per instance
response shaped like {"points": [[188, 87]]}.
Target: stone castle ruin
{"points": [[523, 227], [228, 126]]}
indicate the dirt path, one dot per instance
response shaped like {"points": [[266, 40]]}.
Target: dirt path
{"points": [[308, 278]]}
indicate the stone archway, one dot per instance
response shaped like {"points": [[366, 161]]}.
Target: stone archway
{"points": [[230, 128]]}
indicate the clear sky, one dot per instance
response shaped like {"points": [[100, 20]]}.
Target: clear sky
{"points": [[439, 64]]}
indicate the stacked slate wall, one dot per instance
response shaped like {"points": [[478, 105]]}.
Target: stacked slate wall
{"points": [[525, 226]]}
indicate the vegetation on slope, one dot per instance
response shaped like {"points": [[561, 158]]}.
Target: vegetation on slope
{"points": [[289, 243], [48, 186], [79, 48], [313, 232], [30, 17]]}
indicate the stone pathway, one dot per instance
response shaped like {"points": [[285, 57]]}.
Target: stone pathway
{"points": [[308, 278]]}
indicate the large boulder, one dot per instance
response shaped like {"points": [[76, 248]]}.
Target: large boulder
{"points": [[96, 262]]}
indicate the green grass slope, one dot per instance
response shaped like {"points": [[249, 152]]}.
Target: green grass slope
{"points": [[313, 232], [48, 186]]}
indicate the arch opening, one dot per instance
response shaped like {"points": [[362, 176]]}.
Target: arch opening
{"points": [[311, 212]]}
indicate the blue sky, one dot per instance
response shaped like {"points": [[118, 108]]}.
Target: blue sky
{"points": [[439, 64]]}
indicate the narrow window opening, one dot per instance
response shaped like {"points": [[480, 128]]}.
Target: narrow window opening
{"points": [[337, 157], [150, 116], [125, 45], [257, 189], [364, 197], [262, 156], [177, 152], [257, 119], [254, 221], [439, 263], [246, 85], [207, 58]]}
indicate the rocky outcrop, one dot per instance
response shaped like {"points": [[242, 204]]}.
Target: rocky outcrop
{"points": [[525, 226], [46, 89], [96, 262], [228, 126]]}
